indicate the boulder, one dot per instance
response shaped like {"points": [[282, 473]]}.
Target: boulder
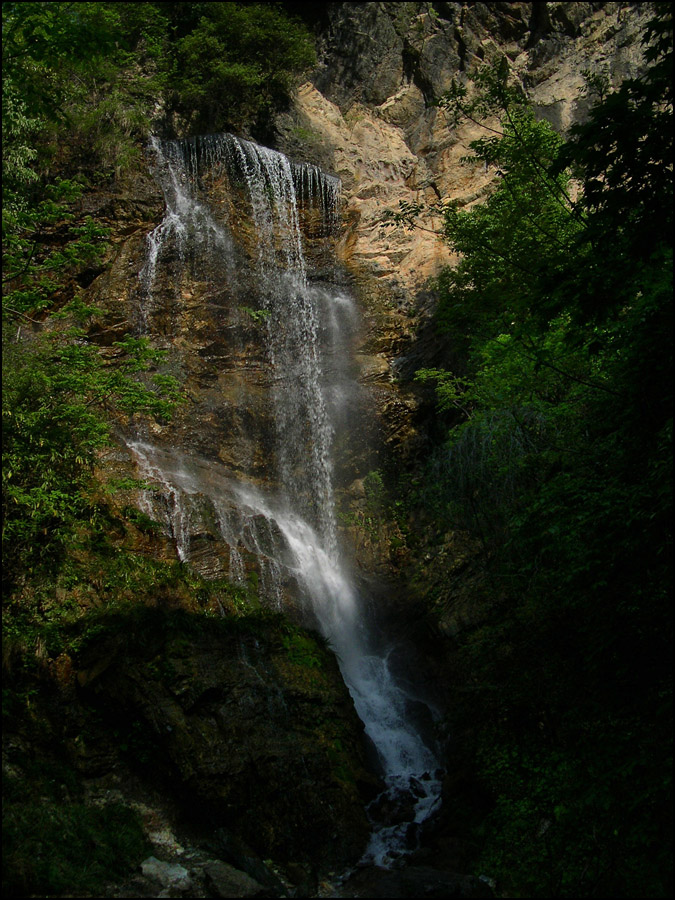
{"points": [[170, 875], [226, 881]]}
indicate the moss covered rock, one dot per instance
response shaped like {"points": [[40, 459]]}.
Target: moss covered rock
{"points": [[245, 722]]}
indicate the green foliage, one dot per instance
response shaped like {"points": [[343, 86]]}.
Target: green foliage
{"points": [[52, 842], [557, 457], [515, 245], [101, 586], [81, 82], [256, 315], [66, 81], [520, 418], [375, 511], [141, 520], [43, 253], [236, 64], [302, 649], [58, 391], [48, 45], [624, 155], [577, 811], [54, 400]]}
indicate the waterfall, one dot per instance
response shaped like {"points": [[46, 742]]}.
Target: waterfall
{"points": [[237, 207]]}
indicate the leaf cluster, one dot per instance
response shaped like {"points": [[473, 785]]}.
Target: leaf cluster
{"points": [[236, 63], [79, 80], [58, 399]]}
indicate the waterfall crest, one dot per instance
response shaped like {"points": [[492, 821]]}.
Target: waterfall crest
{"points": [[237, 209]]}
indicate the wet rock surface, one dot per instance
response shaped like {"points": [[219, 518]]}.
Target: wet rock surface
{"points": [[253, 747], [412, 881]]}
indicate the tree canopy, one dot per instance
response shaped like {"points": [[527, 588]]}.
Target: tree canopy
{"points": [[557, 457]]}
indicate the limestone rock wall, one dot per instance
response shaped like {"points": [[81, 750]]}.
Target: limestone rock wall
{"points": [[369, 115]]}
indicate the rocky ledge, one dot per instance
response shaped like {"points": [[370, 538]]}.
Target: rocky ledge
{"points": [[243, 726]]}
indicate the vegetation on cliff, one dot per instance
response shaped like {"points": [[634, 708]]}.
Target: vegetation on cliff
{"points": [[81, 83], [557, 409]]}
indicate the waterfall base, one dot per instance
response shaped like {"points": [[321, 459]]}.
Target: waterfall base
{"points": [[414, 881]]}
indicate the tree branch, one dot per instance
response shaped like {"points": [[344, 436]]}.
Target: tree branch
{"points": [[591, 384], [17, 312]]}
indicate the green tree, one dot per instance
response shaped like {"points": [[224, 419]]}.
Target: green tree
{"points": [[237, 63], [67, 104], [86, 75], [58, 397], [558, 457]]}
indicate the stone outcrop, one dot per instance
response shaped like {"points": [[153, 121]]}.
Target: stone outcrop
{"points": [[370, 113], [252, 735], [246, 725]]}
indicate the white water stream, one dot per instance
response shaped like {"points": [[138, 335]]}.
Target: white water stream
{"points": [[292, 533]]}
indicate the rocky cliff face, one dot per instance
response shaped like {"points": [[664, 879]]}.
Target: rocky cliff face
{"points": [[369, 115]]}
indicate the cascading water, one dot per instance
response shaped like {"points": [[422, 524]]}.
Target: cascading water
{"points": [[291, 530]]}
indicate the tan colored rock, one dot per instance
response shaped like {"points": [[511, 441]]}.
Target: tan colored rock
{"points": [[402, 148], [368, 151]]}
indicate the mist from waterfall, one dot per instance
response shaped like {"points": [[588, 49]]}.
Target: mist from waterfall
{"points": [[291, 529]]}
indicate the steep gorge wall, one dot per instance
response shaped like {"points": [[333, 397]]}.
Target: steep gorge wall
{"points": [[369, 115]]}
